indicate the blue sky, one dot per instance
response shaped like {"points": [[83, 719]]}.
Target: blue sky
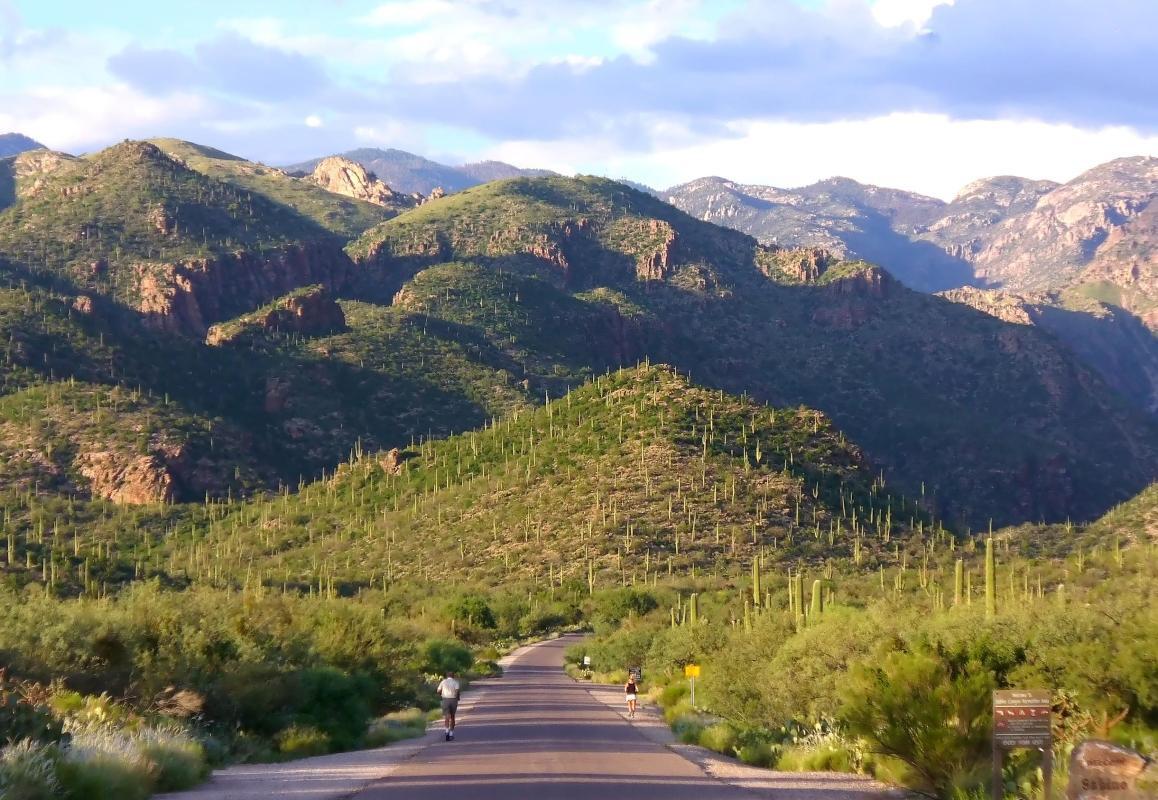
{"points": [[920, 94]]}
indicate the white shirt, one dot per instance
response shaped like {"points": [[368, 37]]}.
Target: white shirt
{"points": [[448, 688]]}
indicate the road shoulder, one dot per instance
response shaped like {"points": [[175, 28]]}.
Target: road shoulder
{"points": [[650, 724]]}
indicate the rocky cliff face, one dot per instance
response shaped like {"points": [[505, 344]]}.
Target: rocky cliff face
{"points": [[1097, 230], [188, 297], [1068, 229], [349, 178]]}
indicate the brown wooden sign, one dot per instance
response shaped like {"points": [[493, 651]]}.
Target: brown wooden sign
{"points": [[1022, 718]]}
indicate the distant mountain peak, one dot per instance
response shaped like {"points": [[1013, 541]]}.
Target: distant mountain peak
{"points": [[12, 144], [409, 173]]}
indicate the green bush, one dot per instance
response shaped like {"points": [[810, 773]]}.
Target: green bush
{"points": [[829, 757], [20, 719], [687, 728], [674, 693], [915, 708], [719, 736], [28, 772], [177, 760], [336, 703], [442, 655], [472, 610], [759, 754], [100, 764], [303, 741], [395, 727]]}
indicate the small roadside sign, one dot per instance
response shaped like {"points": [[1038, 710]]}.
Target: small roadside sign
{"points": [[586, 661], [691, 672], [1022, 718], [636, 673]]}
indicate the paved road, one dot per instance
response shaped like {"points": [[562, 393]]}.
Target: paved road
{"points": [[537, 734]]}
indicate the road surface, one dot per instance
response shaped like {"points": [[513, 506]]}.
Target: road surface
{"points": [[537, 734]]}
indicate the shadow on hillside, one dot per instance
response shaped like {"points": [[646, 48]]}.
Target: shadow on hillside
{"points": [[1118, 346], [918, 264]]}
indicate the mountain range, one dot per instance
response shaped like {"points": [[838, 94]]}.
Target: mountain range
{"points": [[225, 326], [411, 174]]}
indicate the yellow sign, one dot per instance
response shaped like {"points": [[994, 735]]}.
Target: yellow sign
{"points": [[691, 670]]}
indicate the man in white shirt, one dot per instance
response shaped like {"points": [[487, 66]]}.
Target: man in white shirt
{"points": [[449, 691]]}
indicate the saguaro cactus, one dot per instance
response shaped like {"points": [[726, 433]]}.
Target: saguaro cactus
{"points": [[757, 592], [958, 582], [817, 607], [990, 579], [693, 609]]}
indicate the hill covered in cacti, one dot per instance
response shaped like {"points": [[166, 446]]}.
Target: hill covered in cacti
{"points": [[572, 273]]}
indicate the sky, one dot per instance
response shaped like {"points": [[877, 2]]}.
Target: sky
{"points": [[925, 95]]}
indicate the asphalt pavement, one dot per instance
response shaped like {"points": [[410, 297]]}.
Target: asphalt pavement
{"points": [[538, 734]]}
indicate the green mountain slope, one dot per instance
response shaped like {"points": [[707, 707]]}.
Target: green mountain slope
{"points": [[344, 216], [992, 419], [634, 475], [182, 249]]}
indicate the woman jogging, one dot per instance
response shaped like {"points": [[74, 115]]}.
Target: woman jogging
{"points": [[632, 692]]}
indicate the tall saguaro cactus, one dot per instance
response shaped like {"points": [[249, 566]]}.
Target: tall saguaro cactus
{"points": [[958, 582], [990, 579], [817, 607], [757, 592], [693, 609]]}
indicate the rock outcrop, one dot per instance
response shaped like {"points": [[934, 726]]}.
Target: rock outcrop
{"points": [[311, 311], [187, 298], [349, 178], [128, 480]]}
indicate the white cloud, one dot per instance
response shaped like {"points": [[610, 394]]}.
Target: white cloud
{"points": [[926, 153], [77, 118], [408, 13], [313, 121], [892, 13]]}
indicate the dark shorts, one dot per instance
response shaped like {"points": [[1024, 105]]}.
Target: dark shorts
{"points": [[449, 705]]}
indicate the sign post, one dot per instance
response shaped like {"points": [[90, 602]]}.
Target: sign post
{"points": [[1022, 718], [692, 671]]}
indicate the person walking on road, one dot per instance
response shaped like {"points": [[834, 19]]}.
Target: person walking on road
{"points": [[449, 690], [632, 693]]}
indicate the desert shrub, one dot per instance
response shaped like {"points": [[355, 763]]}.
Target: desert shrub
{"points": [[303, 741], [615, 605], [758, 754], [177, 759], [687, 727], [336, 703], [254, 697], [20, 719], [829, 757], [100, 764], [28, 772], [913, 707], [443, 655], [719, 736], [473, 610], [625, 647], [673, 693], [395, 727]]}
